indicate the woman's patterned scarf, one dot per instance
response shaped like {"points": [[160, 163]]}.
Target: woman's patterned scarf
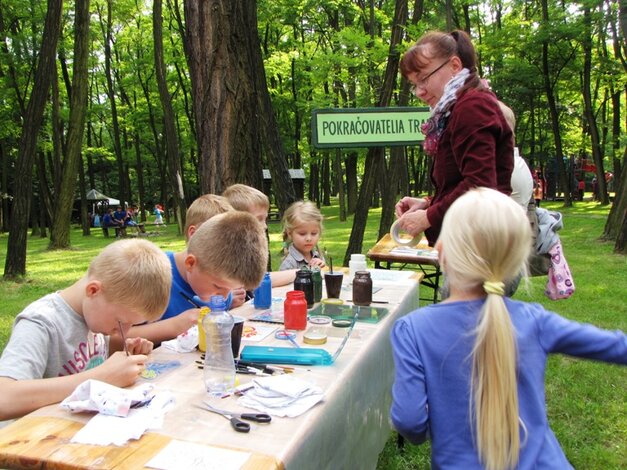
{"points": [[435, 125]]}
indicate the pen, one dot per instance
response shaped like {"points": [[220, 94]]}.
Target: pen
{"points": [[123, 338], [189, 299]]}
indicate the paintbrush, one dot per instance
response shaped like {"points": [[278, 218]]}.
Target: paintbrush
{"points": [[123, 338]]}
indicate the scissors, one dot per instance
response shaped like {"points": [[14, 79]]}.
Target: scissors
{"points": [[236, 418]]}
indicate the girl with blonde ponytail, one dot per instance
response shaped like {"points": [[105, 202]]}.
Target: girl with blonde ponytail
{"points": [[470, 370]]}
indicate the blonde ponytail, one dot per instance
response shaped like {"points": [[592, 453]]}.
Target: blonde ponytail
{"points": [[494, 389], [485, 242]]}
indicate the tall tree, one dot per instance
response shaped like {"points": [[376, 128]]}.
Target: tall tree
{"points": [[171, 142], [15, 264], [374, 159], [60, 230]]}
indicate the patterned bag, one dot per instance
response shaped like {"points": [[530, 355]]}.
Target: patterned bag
{"points": [[560, 284]]}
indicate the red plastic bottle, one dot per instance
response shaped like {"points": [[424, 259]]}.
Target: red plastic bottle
{"points": [[295, 310]]}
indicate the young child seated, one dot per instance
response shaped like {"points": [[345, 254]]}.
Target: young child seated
{"points": [[302, 225], [61, 340], [470, 370], [224, 254], [248, 199]]}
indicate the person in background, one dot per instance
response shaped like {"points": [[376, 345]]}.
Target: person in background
{"points": [[108, 221], [522, 180], [248, 199], [62, 339], [538, 194], [476, 387], [158, 211], [224, 252], [581, 188], [302, 227], [467, 136]]}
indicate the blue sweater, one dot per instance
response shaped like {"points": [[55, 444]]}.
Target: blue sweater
{"points": [[178, 304], [432, 348]]}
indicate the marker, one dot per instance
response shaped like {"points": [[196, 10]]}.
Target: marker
{"points": [[189, 299]]}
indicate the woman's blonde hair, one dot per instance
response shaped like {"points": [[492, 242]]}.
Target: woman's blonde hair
{"points": [[301, 212], [485, 242], [137, 267]]}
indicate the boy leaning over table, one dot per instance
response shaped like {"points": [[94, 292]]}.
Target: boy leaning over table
{"points": [[61, 340], [227, 253], [248, 199]]}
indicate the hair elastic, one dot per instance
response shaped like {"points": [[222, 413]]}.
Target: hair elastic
{"points": [[494, 287], [396, 236]]}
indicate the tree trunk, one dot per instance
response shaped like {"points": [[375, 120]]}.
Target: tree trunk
{"points": [[172, 148], [224, 90], [60, 230], [389, 80], [107, 30], [589, 112], [337, 166], [15, 264], [548, 87]]}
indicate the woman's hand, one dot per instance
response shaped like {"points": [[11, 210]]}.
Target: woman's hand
{"points": [[409, 205], [414, 222]]}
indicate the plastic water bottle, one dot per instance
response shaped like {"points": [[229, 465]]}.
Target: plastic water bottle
{"points": [[263, 293], [219, 369], [356, 263]]}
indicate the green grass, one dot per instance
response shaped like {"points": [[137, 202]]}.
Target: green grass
{"points": [[586, 400]]}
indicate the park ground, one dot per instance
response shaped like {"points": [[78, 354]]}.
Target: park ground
{"points": [[586, 400]]}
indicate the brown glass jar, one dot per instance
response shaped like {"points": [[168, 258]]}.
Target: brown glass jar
{"points": [[362, 288]]}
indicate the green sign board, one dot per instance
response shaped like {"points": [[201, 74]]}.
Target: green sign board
{"points": [[367, 127]]}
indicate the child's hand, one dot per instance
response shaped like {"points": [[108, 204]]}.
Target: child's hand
{"points": [[139, 346], [121, 370], [319, 262], [187, 319], [238, 297]]}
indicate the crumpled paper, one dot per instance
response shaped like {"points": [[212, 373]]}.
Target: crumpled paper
{"points": [[183, 343], [108, 430], [94, 395], [282, 395]]}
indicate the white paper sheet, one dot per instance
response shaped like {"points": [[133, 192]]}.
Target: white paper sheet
{"points": [[190, 456]]}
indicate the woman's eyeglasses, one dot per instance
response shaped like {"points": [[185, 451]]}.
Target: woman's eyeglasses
{"points": [[423, 82]]}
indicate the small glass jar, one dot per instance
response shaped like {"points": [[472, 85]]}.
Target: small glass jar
{"points": [[362, 288], [304, 282], [316, 276], [295, 311]]}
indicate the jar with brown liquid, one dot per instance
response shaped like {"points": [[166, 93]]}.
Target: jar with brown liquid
{"points": [[362, 288]]}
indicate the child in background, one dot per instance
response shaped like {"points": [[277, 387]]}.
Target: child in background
{"points": [[60, 340], [225, 254], [302, 225], [248, 199], [476, 386], [158, 211]]}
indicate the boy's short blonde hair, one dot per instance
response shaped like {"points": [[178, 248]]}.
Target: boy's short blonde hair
{"points": [[134, 272], [203, 208], [245, 198], [301, 212], [232, 246], [509, 115]]}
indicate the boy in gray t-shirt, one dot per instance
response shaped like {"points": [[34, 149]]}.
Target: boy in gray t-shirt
{"points": [[61, 340]]}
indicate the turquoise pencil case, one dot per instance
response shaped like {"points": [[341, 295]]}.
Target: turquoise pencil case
{"points": [[281, 355]]}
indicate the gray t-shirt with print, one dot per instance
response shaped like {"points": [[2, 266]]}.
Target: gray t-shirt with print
{"points": [[50, 339]]}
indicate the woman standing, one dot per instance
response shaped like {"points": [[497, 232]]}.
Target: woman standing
{"points": [[467, 136]]}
